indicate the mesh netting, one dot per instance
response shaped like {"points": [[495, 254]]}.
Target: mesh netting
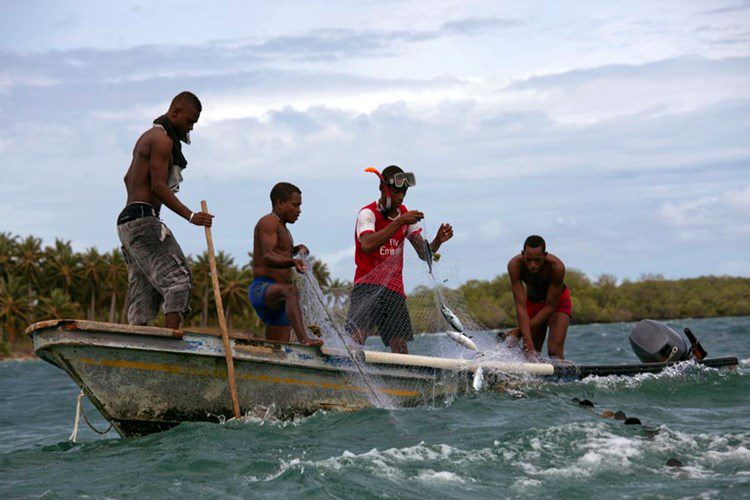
{"points": [[374, 310]]}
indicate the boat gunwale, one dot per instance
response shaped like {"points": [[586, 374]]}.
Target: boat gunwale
{"points": [[240, 355]]}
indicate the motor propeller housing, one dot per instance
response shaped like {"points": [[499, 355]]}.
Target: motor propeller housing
{"points": [[655, 342]]}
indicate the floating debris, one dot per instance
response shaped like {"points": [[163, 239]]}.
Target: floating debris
{"points": [[478, 381], [673, 462]]}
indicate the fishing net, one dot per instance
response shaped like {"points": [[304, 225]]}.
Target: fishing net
{"points": [[366, 314]]}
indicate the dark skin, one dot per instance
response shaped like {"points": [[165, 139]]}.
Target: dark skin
{"points": [[272, 258], [538, 269], [146, 179], [373, 241]]}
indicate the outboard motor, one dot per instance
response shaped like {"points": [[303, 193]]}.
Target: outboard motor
{"points": [[655, 342]]}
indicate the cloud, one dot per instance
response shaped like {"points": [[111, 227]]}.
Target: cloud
{"points": [[601, 160], [726, 215], [491, 229], [475, 25], [223, 57], [730, 9], [333, 259]]}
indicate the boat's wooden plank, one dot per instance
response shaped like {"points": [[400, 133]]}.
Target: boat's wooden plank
{"points": [[100, 326], [149, 331]]}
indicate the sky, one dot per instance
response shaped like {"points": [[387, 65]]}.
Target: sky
{"points": [[619, 131]]}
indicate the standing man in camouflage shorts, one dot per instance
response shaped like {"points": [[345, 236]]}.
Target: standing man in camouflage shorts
{"points": [[158, 272]]}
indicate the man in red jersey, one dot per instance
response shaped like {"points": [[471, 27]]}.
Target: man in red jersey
{"points": [[378, 301]]}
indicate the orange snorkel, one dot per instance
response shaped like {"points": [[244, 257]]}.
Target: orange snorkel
{"points": [[385, 187]]}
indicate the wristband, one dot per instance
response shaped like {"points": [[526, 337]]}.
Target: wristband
{"points": [[190, 219]]}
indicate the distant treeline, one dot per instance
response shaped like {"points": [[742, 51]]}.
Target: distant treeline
{"points": [[39, 283], [604, 301]]}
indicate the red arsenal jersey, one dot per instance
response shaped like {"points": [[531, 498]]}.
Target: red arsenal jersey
{"points": [[369, 268]]}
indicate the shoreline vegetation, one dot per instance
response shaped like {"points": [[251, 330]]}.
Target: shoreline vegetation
{"points": [[42, 282]]}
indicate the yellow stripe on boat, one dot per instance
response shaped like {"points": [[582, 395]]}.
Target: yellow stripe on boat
{"points": [[162, 367]]}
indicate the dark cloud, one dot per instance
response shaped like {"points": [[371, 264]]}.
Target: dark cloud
{"points": [[683, 67], [476, 25], [225, 56], [743, 6]]}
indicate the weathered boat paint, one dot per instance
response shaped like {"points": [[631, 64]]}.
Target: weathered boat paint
{"points": [[147, 383]]}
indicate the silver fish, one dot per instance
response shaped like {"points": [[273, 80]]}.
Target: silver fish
{"points": [[428, 255], [460, 338], [452, 319], [478, 381]]}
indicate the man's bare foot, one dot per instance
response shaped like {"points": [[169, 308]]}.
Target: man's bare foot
{"points": [[533, 357], [309, 341]]}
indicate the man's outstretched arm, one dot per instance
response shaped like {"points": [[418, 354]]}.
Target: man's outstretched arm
{"points": [[445, 232]]}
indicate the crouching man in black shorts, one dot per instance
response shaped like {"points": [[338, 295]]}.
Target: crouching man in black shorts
{"points": [[378, 301]]}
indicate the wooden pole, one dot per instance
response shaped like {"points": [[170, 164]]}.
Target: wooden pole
{"points": [[389, 358], [222, 322]]}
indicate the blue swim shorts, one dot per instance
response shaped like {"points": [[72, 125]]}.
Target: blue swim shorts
{"points": [[257, 294]]}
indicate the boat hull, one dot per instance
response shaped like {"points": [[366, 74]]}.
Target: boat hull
{"points": [[145, 385], [145, 379]]}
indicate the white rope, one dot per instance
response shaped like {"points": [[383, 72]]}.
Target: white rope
{"points": [[74, 435], [80, 413]]}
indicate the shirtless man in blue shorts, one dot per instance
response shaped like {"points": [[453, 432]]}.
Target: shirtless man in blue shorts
{"points": [[273, 295]]}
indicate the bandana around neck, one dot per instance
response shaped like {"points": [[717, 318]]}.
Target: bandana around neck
{"points": [[177, 157]]}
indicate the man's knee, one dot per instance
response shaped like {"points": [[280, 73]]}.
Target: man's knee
{"points": [[398, 345], [176, 299], [291, 292]]}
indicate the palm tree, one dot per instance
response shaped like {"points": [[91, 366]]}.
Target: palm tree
{"points": [[14, 306], [337, 293], [92, 270], [233, 286], [29, 260], [321, 273], [201, 269], [63, 265], [223, 262], [115, 279], [57, 306], [8, 251]]}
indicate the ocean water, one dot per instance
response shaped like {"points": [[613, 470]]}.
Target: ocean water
{"points": [[532, 441]]}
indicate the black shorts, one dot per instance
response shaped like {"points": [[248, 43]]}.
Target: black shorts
{"points": [[376, 308]]}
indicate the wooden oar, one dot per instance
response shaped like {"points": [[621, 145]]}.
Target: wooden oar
{"points": [[222, 322]]}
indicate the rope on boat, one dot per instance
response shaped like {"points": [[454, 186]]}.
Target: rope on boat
{"points": [[80, 413]]}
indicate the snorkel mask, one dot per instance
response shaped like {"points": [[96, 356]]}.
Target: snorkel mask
{"points": [[401, 180]]}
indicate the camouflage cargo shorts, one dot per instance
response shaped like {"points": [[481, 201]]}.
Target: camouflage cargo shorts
{"points": [[158, 271]]}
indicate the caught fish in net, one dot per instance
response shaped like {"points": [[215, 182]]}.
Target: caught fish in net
{"points": [[406, 298]]}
